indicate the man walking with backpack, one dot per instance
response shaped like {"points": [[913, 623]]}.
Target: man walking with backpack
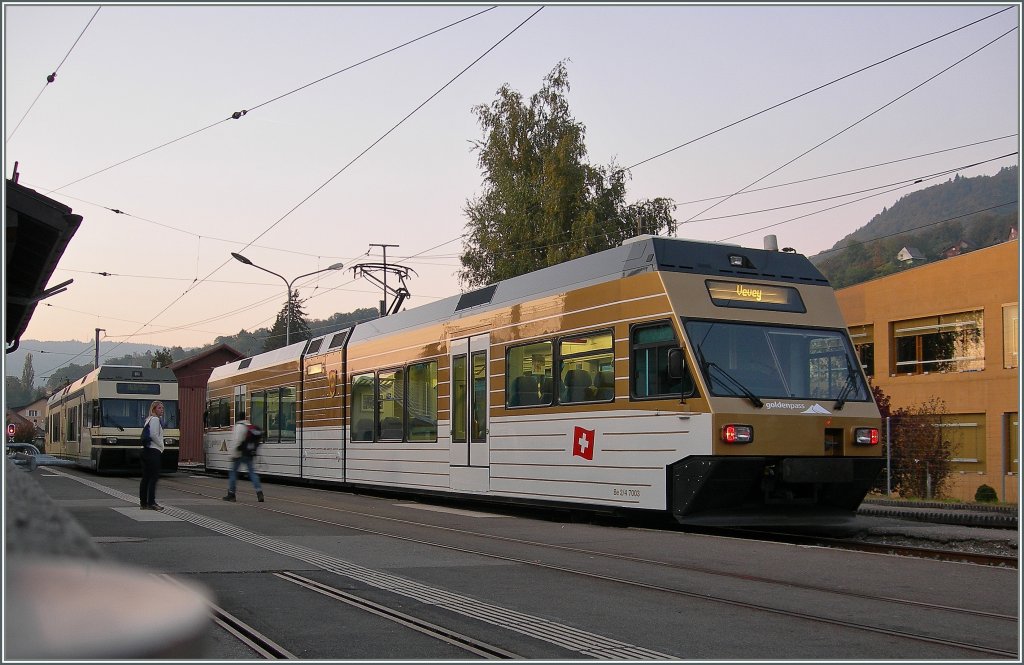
{"points": [[246, 440]]}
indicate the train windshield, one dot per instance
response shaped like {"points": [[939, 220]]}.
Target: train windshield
{"points": [[763, 361], [125, 413]]}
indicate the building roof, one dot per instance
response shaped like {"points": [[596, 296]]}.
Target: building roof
{"points": [[38, 231], [910, 253], [222, 349]]}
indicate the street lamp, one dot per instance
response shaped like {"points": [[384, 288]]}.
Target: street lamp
{"points": [[288, 318]]}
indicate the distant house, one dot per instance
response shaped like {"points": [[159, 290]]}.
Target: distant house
{"points": [[34, 413], [909, 255], [955, 250]]}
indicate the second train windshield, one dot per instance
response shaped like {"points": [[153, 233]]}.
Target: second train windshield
{"points": [[777, 361]]}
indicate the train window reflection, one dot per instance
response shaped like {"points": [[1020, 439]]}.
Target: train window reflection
{"points": [[421, 401], [586, 367], [650, 347], [362, 407], [779, 362], [528, 375]]}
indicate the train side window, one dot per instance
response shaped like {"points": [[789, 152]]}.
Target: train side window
{"points": [[362, 407], [528, 374], [224, 412], [421, 402], [586, 368], [459, 398], [478, 408], [391, 402], [258, 409], [650, 345], [272, 432], [288, 414]]}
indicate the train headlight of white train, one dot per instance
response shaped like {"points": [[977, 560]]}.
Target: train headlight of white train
{"points": [[170, 442], [737, 433], [111, 440], [866, 436]]}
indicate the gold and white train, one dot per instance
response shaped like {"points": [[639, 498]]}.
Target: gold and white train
{"points": [[97, 420], [698, 379]]}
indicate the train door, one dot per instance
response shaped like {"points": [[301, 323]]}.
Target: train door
{"points": [[469, 452]]}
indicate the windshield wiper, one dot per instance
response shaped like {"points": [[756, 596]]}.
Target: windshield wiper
{"points": [[754, 399], [851, 380]]}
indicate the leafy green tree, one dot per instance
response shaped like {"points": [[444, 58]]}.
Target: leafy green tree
{"points": [[282, 330], [542, 203], [65, 375], [162, 358], [28, 374]]}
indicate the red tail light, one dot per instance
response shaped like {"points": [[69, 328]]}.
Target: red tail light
{"points": [[866, 436], [737, 433]]}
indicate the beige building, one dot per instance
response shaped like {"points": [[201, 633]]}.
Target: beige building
{"points": [[949, 329]]}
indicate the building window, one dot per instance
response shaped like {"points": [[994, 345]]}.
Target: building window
{"points": [[1011, 336], [966, 433], [586, 364], [864, 342], [947, 343], [32, 413], [528, 375], [1011, 443]]}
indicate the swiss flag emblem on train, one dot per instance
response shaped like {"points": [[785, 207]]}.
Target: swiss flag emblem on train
{"points": [[583, 443]]}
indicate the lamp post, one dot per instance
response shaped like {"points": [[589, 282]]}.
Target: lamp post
{"points": [[288, 285]]}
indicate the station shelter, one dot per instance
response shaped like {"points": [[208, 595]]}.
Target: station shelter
{"points": [[193, 373]]}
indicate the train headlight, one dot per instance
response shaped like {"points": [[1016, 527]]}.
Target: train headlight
{"points": [[737, 434], [170, 442], [111, 440], [866, 436]]}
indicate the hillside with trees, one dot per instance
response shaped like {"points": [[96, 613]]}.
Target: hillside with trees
{"points": [[958, 216]]}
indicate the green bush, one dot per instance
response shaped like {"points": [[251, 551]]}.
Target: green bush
{"points": [[985, 494]]}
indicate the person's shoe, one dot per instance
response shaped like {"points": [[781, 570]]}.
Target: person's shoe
{"points": [[156, 506], [144, 508], [230, 496], [259, 496]]}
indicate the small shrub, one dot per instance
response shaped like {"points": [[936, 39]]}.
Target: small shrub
{"points": [[985, 494]]}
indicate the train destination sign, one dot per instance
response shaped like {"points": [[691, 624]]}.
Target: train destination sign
{"points": [[138, 388], [755, 296]]}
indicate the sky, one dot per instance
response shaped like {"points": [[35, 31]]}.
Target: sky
{"points": [[340, 150]]}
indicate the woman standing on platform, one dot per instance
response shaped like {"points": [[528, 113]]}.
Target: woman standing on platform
{"points": [[152, 450]]}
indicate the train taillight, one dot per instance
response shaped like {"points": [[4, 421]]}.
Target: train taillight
{"points": [[866, 436], [737, 434]]}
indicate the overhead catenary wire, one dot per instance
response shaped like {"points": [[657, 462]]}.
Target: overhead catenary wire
{"points": [[848, 171], [239, 114], [812, 90], [53, 76], [352, 161], [854, 124], [897, 185]]}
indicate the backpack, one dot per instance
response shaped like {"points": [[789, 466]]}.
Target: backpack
{"points": [[145, 436], [252, 441]]}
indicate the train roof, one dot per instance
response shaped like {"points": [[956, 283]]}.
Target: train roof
{"points": [[119, 373], [635, 256]]}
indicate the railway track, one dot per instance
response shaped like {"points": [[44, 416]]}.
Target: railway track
{"points": [[896, 549], [636, 581]]}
